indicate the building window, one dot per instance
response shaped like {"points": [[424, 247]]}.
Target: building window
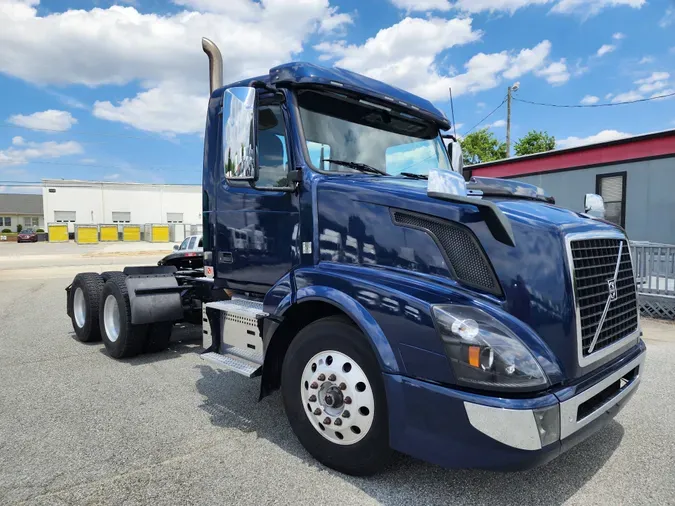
{"points": [[64, 216], [31, 222], [6, 221], [174, 217], [612, 189], [121, 217]]}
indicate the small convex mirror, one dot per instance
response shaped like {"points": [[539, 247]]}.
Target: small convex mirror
{"points": [[594, 206]]}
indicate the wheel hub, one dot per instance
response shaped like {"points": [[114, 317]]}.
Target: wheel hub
{"points": [[79, 308], [338, 397]]}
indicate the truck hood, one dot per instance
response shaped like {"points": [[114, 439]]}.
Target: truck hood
{"points": [[533, 275]]}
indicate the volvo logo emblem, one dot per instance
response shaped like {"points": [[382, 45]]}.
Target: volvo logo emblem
{"points": [[612, 289]]}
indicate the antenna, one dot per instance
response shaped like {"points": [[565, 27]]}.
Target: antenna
{"points": [[452, 111]]}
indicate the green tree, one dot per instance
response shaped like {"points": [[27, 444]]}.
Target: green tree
{"points": [[482, 146], [534, 142]]}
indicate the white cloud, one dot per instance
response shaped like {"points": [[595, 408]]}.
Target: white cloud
{"points": [[608, 96], [500, 123], [405, 55], [604, 136], [668, 18], [58, 121], [589, 100], [480, 105], [556, 73], [583, 8], [164, 109], [661, 93], [476, 6], [619, 36], [22, 151], [646, 59], [121, 45], [586, 8], [422, 5], [528, 60], [628, 96], [335, 21], [604, 49], [655, 82]]}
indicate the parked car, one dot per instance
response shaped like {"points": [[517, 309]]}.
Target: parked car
{"points": [[189, 255], [27, 235]]}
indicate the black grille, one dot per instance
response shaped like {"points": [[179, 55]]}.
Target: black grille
{"points": [[594, 265], [462, 251]]}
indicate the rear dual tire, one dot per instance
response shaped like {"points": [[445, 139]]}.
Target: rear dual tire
{"points": [[85, 296], [100, 310]]}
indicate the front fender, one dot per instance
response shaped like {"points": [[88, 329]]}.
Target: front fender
{"points": [[360, 315]]}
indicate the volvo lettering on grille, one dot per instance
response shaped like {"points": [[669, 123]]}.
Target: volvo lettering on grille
{"points": [[611, 283]]}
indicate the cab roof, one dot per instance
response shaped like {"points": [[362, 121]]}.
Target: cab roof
{"points": [[308, 74]]}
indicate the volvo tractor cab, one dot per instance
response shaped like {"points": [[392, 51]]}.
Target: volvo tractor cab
{"points": [[395, 305]]}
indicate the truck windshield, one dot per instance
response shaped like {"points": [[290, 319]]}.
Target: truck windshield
{"points": [[338, 127]]}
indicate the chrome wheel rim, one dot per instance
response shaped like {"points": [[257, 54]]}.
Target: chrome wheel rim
{"points": [[111, 318], [79, 308], [337, 397]]}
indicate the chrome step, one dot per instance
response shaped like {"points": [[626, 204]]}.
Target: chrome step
{"points": [[233, 362], [240, 307]]}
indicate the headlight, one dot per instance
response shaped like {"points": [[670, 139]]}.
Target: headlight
{"points": [[484, 353]]}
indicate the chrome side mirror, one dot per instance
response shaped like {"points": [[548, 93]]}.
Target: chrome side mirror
{"points": [[240, 118], [444, 182], [175, 247], [594, 206]]}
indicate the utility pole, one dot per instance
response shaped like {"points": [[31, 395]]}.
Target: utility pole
{"points": [[508, 117]]}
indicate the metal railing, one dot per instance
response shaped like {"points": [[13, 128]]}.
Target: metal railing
{"points": [[654, 271]]}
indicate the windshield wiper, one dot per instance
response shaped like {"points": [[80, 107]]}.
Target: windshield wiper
{"points": [[413, 175], [358, 166]]}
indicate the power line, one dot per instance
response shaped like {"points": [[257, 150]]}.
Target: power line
{"points": [[583, 106], [486, 117]]}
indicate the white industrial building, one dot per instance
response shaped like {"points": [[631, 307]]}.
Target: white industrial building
{"points": [[89, 202]]}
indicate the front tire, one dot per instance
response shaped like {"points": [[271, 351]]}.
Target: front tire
{"points": [[121, 338], [334, 397], [85, 295]]}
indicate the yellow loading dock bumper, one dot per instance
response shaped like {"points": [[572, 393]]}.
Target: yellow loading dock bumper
{"points": [[131, 233], [58, 232], [158, 233], [109, 233], [85, 234]]}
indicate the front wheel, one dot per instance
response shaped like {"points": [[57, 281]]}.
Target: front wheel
{"points": [[334, 397]]}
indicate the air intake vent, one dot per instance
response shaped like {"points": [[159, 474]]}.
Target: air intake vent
{"points": [[460, 247]]}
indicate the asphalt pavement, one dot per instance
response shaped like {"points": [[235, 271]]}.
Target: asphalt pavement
{"points": [[77, 427]]}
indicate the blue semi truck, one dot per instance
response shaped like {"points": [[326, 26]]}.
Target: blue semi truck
{"points": [[348, 263]]}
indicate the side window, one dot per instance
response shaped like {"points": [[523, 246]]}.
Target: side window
{"points": [[192, 243], [612, 189], [184, 244], [272, 147], [319, 152]]}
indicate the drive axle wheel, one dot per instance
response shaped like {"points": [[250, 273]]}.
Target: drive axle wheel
{"points": [[334, 396], [121, 338], [85, 296]]}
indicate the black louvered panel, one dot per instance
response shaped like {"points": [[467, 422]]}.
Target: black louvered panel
{"points": [[462, 250], [595, 263]]}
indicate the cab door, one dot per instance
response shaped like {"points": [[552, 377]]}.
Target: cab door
{"points": [[256, 244]]}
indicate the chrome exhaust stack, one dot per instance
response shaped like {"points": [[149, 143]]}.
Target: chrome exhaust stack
{"points": [[215, 64]]}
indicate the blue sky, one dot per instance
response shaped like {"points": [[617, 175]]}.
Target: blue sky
{"points": [[121, 86]]}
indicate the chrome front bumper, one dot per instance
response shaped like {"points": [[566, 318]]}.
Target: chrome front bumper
{"points": [[520, 429]]}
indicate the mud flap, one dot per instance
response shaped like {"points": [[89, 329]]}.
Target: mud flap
{"points": [[69, 302], [154, 298]]}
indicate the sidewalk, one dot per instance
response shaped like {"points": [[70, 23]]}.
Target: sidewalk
{"points": [[13, 254]]}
